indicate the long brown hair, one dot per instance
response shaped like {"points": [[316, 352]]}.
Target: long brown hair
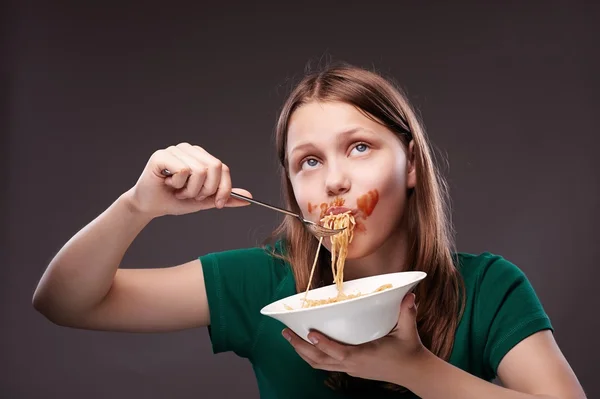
{"points": [[430, 233]]}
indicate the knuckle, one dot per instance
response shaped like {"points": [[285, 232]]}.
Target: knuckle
{"points": [[225, 168], [216, 164], [183, 144], [200, 170]]}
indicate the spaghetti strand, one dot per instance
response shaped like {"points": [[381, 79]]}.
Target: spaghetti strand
{"points": [[339, 252]]}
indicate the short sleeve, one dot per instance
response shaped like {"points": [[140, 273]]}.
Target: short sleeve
{"points": [[508, 311], [238, 284]]}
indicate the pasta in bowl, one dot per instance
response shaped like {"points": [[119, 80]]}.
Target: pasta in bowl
{"points": [[351, 312], [364, 317]]}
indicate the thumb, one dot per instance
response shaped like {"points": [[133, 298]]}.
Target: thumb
{"points": [[407, 320], [233, 202]]}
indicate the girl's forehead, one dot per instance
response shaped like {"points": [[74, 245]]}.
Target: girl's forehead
{"points": [[318, 121], [324, 115]]}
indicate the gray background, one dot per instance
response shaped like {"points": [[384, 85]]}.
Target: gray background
{"points": [[509, 94]]}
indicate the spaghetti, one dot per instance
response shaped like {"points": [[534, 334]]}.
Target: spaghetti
{"points": [[339, 251]]}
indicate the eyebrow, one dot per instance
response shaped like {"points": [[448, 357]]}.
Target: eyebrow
{"points": [[339, 135]]}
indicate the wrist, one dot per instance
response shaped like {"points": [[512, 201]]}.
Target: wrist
{"points": [[410, 372], [129, 202]]}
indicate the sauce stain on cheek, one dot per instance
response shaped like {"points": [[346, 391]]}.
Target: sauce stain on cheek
{"points": [[324, 207], [366, 203]]}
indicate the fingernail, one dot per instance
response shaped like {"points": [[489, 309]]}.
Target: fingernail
{"points": [[286, 335], [313, 339], [220, 203], [200, 198]]}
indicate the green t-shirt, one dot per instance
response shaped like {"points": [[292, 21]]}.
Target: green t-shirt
{"points": [[501, 309]]}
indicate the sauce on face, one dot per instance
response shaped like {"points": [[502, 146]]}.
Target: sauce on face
{"points": [[324, 206], [366, 203], [338, 202]]}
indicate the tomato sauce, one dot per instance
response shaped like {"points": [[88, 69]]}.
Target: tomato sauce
{"points": [[366, 203]]}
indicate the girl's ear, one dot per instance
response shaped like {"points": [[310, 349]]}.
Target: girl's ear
{"points": [[411, 170]]}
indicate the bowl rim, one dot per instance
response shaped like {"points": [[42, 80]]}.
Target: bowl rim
{"points": [[420, 276]]}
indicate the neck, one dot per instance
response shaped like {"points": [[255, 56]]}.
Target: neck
{"points": [[390, 257]]}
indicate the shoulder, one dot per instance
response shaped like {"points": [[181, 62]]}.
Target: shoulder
{"points": [[493, 282], [487, 268]]}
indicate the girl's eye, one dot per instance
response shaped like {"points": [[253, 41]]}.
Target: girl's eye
{"points": [[309, 163], [361, 148]]}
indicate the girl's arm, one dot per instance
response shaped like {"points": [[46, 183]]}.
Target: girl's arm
{"points": [[534, 368], [83, 286]]}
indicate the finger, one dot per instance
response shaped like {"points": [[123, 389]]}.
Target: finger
{"points": [[407, 320], [179, 170], [211, 165], [409, 302], [333, 349], [179, 179], [307, 351], [201, 159], [224, 189], [197, 175], [213, 175], [236, 202]]}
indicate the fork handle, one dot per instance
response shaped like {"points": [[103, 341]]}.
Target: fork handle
{"points": [[244, 198]]}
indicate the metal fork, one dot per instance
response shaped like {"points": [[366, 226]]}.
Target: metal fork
{"points": [[314, 228]]}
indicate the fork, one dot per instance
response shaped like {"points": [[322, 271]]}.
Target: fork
{"points": [[314, 228]]}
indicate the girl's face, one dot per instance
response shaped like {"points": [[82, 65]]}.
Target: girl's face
{"points": [[340, 160]]}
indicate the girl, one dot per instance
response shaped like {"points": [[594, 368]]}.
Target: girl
{"points": [[345, 137]]}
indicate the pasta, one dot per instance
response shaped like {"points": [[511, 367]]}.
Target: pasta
{"points": [[339, 251], [339, 243]]}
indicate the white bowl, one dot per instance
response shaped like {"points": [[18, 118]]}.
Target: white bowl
{"points": [[353, 321]]}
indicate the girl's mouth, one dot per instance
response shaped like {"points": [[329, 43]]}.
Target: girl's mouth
{"points": [[336, 210]]}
